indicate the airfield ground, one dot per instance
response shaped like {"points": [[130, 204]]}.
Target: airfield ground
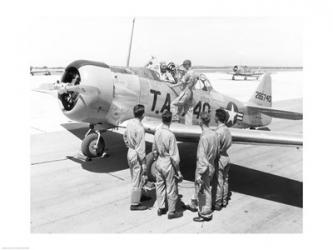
{"points": [[71, 196]]}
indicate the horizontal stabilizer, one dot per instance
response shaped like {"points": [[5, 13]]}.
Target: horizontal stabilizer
{"points": [[275, 113]]}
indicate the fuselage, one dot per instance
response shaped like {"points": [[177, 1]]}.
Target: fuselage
{"points": [[118, 89]]}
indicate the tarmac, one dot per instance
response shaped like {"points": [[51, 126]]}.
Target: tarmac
{"points": [[69, 195]]}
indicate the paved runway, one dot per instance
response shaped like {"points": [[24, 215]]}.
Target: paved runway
{"points": [[71, 196]]}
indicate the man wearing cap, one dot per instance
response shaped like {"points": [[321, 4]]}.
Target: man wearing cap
{"points": [[134, 138], [184, 101], [220, 183], [206, 160], [167, 166]]}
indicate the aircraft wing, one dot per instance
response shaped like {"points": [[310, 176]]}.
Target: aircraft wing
{"points": [[276, 113], [240, 136]]}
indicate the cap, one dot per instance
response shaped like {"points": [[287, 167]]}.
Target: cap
{"points": [[187, 62]]}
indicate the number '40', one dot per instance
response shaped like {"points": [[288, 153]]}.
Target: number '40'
{"points": [[205, 107]]}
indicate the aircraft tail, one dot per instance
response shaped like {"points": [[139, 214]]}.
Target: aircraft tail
{"points": [[263, 94], [261, 102]]}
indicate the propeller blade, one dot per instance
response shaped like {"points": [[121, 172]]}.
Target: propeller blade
{"points": [[55, 88]]}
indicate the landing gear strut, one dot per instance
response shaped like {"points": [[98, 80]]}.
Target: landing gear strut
{"points": [[93, 144]]}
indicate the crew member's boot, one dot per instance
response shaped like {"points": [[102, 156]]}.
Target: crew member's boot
{"points": [[138, 207], [174, 215]]}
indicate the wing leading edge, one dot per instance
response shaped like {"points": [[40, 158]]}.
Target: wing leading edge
{"points": [[240, 136]]}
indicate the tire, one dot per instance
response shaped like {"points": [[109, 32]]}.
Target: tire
{"points": [[151, 167], [245, 78], [87, 146]]}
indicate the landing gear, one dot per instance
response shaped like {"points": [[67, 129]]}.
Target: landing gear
{"points": [[93, 144], [245, 78], [233, 77]]}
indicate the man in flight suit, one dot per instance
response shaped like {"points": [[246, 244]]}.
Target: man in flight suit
{"points": [[134, 138], [167, 166], [184, 101], [171, 67], [165, 75], [221, 184], [206, 160]]}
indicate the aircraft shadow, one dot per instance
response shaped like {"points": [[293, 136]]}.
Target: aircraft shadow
{"points": [[242, 179], [249, 181]]}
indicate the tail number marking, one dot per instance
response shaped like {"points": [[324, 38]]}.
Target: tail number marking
{"points": [[263, 97]]}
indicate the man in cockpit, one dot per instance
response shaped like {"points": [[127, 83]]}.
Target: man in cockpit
{"points": [[171, 68], [165, 74]]}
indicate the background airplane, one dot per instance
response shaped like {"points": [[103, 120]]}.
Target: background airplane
{"points": [[104, 97], [245, 71], [46, 70]]}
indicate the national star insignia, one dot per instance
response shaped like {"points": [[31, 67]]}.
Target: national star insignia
{"points": [[232, 114]]}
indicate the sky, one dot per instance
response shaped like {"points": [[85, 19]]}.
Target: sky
{"points": [[220, 41]]}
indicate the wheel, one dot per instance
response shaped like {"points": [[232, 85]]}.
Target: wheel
{"points": [[245, 78], [151, 167], [88, 146], [233, 78]]}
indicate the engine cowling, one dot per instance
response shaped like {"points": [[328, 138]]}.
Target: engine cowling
{"points": [[87, 106]]}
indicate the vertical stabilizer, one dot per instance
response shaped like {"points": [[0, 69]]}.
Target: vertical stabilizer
{"points": [[263, 94]]}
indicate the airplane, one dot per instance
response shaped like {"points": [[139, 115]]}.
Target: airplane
{"points": [[245, 71], [104, 96], [45, 71]]}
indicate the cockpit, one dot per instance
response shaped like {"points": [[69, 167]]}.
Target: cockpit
{"points": [[203, 83], [146, 73]]}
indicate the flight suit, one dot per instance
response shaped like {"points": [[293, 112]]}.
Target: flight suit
{"points": [[206, 160], [184, 100], [134, 138], [221, 182], [167, 164]]}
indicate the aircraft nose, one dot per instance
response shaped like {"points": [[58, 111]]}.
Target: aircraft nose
{"points": [[88, 91]]}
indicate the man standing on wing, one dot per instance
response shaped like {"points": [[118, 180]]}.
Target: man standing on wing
{"points": [[184, 101]]}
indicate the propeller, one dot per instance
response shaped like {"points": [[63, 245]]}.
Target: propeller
{"points": [[61, 88]]}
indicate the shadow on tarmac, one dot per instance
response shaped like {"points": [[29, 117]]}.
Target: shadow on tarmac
{"points": [[242, 179]]}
